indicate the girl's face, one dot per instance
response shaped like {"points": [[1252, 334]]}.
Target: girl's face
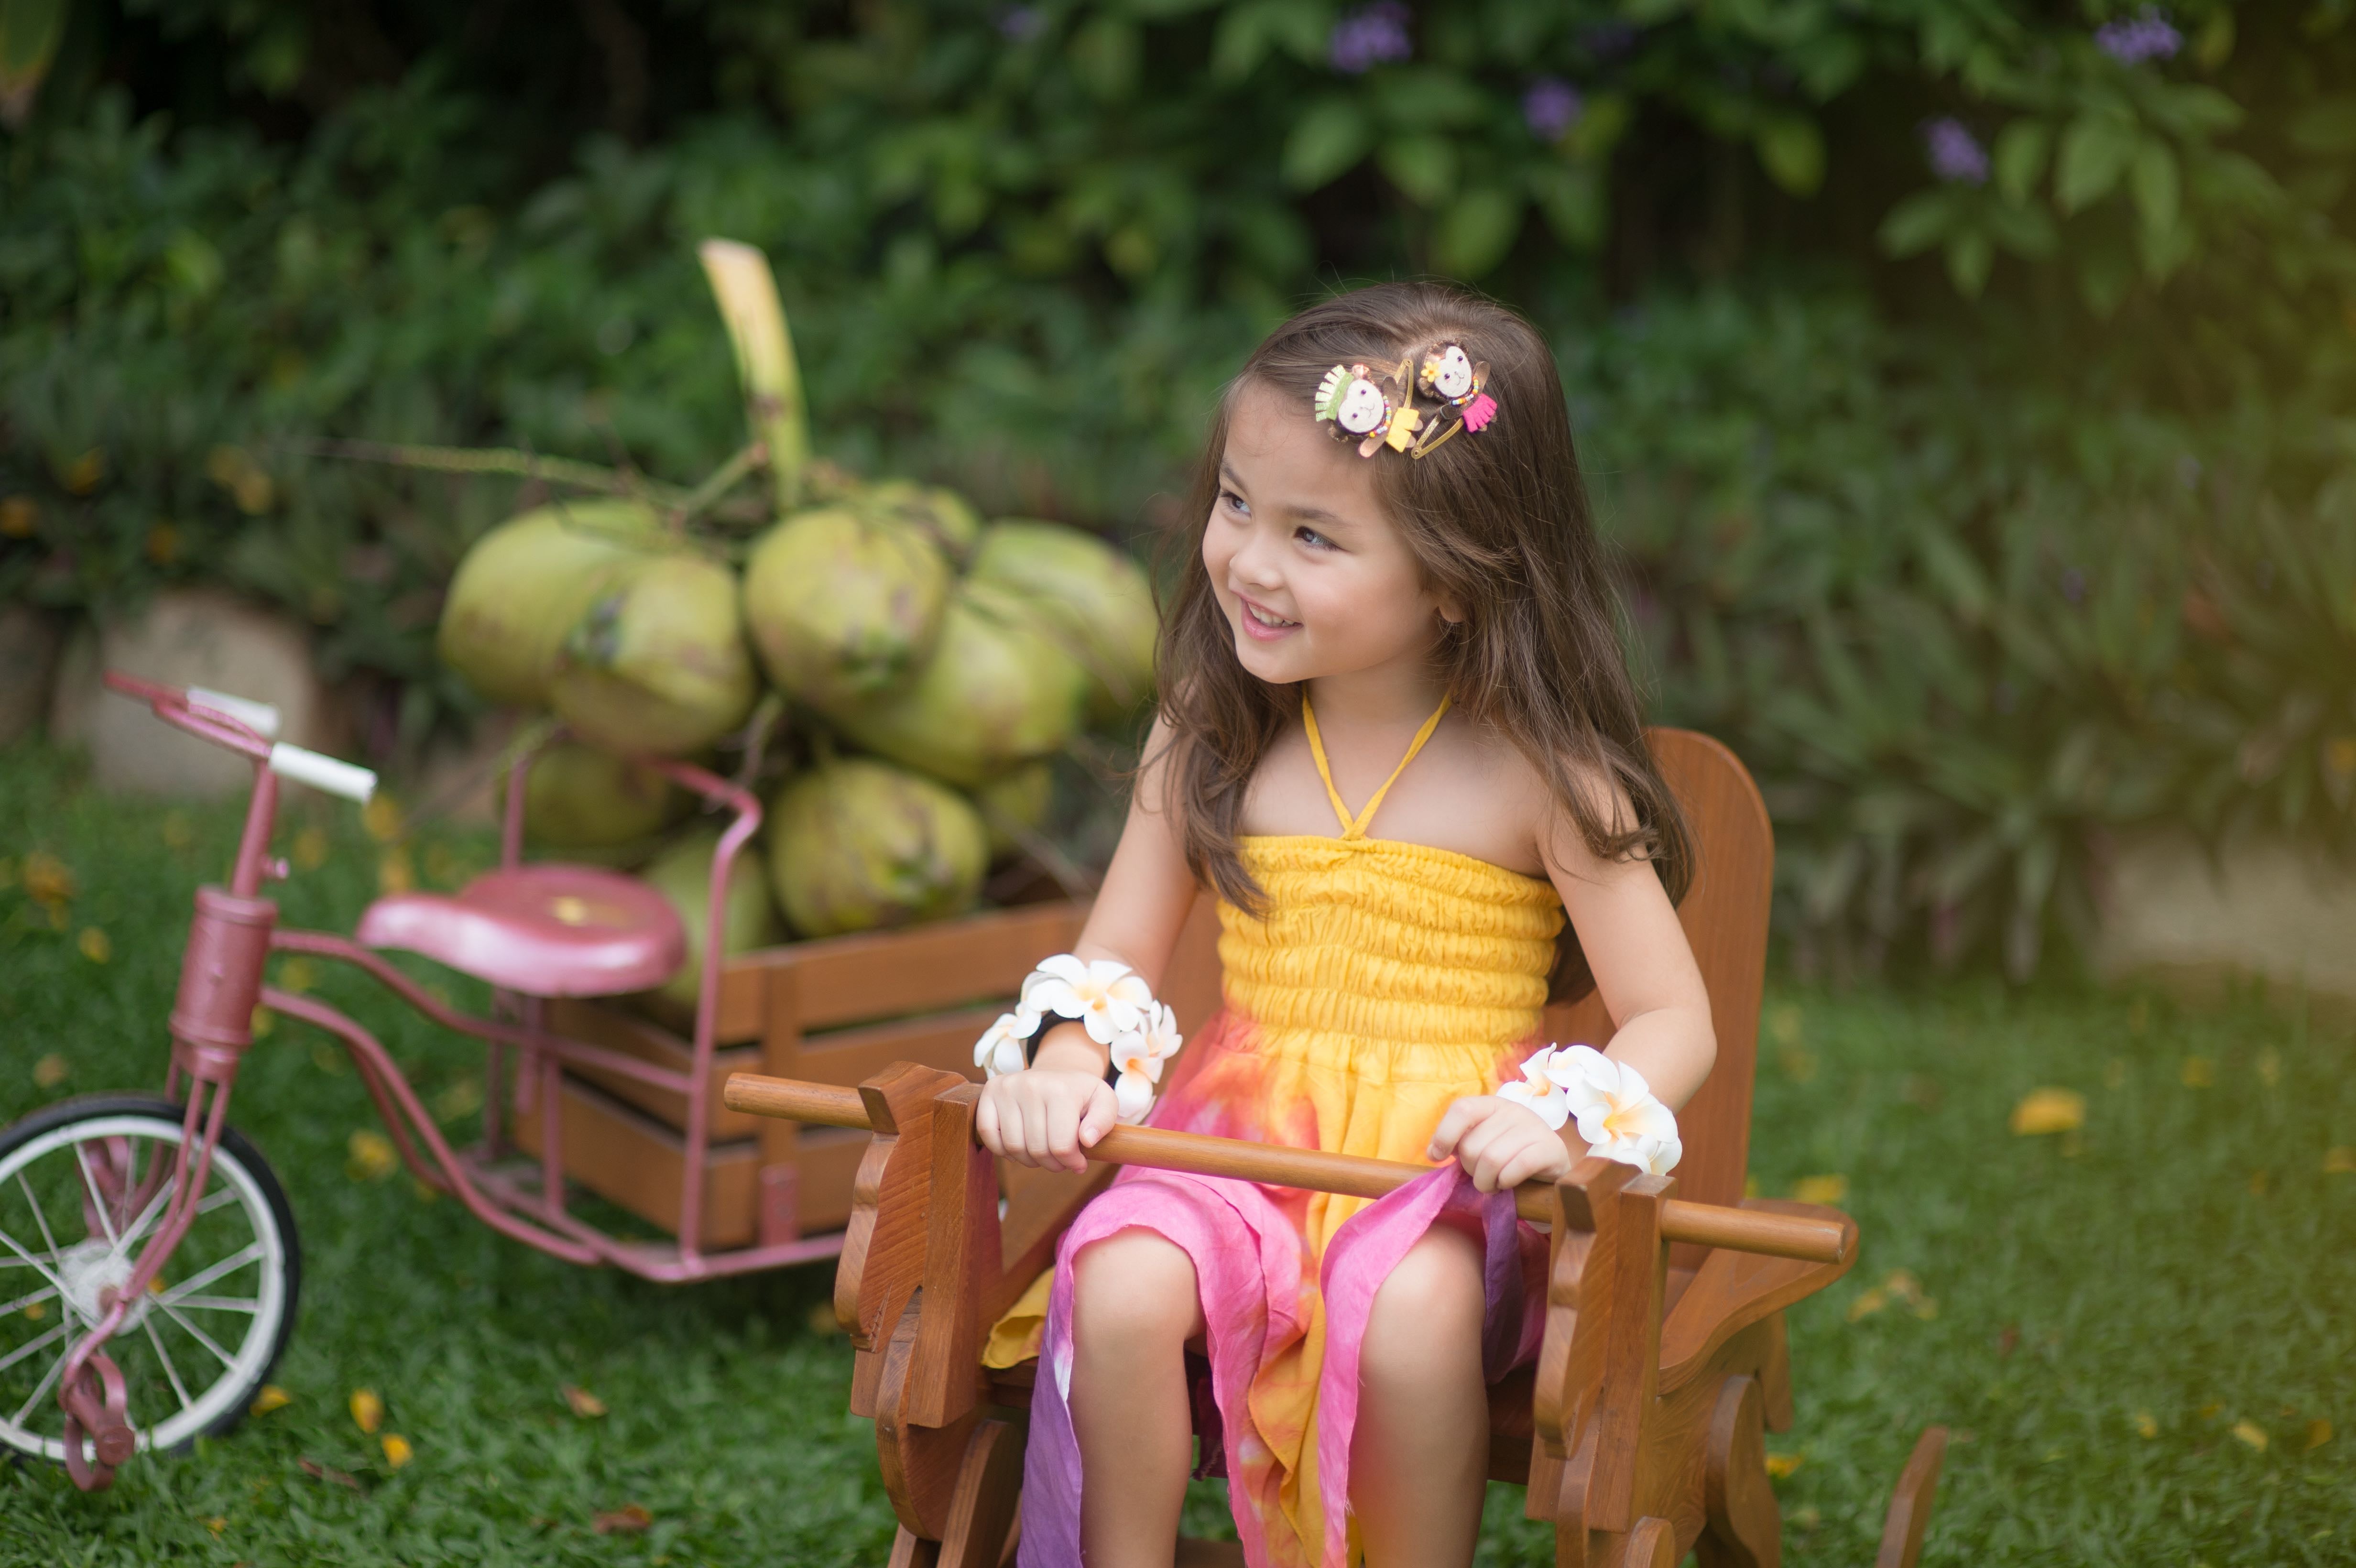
{"points": [[1314, 578]]}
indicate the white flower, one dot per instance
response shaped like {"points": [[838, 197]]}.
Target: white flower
{"points": [[1133, 1094], [999, 1050], [1537, 1092], [1159, 1031], [1109, 998], [1618, 1116]]}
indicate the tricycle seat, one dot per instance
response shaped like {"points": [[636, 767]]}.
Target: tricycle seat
{"points": [[543, 930]]}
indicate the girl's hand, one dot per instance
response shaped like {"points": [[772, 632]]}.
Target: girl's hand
{"points": [[1501, 1145], [1044, 1118]]}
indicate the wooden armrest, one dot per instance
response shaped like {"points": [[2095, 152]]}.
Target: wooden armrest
{"points": [[1733, 1290]]}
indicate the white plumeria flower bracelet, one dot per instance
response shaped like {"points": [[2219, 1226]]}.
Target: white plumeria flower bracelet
{"points": [[1616, 1111], [1109, 999]]}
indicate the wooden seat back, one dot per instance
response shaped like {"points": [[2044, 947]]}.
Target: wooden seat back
{"points": [[1725, 919]]}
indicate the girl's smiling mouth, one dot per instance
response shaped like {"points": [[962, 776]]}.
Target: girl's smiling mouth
{"points": [[1265, 626]]}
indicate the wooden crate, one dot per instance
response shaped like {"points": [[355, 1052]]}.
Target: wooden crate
{"points": [[831, 1012]]}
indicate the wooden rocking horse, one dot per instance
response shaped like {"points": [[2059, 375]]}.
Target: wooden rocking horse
{"points": [[1639, 1430]]}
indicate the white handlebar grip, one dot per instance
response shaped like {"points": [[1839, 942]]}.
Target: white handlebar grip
{"points": [[347, 779], [259, 717]]}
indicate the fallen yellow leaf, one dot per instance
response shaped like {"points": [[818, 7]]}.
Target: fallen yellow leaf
{"points": [[2251, 1433], [48, 879], [371, 1155], [2043, 1111], [310, 849], [94, 945], [51, 1070], [397, 1451], [1781, 1465], [216, 1524], [382, 817], [2340, 1161], [394, 873], [2318, 1433], [1783, 1021], [464, 1097], [2197, 1072], [2260, 1183], [367, 1410], [1750, 1187], [1799, 1066], [2144, 1426], [2212, 1408], [19, 515], [633, 1519], [822, 1321], [1867, 1304], [1820, 1189], [297, 975], [261, 1021], [38, 1310], [272, 1397], [586, 1405]]}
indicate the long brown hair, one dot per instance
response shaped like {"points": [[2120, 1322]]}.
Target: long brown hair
{"points": [[1498, 521]]}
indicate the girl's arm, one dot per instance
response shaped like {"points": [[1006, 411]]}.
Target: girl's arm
{"points": [[1645, 973], [1049, 1115]]}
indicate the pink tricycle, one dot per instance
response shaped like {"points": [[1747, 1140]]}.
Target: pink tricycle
{"points": [[156, 1250]]}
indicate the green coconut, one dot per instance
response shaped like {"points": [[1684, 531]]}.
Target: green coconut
{"points": [[843, 603], [1000, 689], [860, 845], [1017, 800], [1093, 594], [946, 516], [524, 585], [657, 661], [682, 873], [581, 797]]}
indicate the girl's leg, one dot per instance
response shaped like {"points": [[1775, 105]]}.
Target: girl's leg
{"points": [[1134, 1307], [1420, 1457]]}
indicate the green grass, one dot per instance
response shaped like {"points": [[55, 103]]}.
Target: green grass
{"points": [[2184, 1265]]}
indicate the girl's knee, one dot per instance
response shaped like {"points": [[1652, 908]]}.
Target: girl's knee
{"points": [[1135, 1289], [1434, 1297]]}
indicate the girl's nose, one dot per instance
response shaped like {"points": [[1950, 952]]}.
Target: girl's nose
{"points": [[1254, 564]]}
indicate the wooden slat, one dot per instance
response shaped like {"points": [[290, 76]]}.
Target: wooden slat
{"points": [[630, 1158], [601, 1023], [945, 1040], [878, 974]]}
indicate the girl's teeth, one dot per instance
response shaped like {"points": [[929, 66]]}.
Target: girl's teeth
{"points": [[1267, 620]]}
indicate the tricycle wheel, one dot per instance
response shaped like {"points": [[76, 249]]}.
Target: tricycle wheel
{"points": [[82, 1185]]}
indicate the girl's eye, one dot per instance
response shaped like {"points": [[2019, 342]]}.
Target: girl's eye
{"points": [[1312, 538], [1233, 503]]}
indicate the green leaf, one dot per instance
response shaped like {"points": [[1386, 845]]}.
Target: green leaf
{"points": [[2153, 181], [1247, 32], [1919, 222], [1571, 199], [2022, 149], [1426, 98], [1104, 55], [1792, 150], [1599, 128], [1476, 231], [2327, 128], [2095, 150], [1422, 166], [1969, 255], [1328, 141]]}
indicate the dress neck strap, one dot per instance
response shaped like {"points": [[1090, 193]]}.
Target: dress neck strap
{"points": [[1356, 827]]}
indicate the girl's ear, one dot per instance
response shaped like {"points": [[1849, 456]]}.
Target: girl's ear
{"points": [[1451, 609]]}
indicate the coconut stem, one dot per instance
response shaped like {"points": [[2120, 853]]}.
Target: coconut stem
{"points": [[502, 460], [1077, 880], [706, 496], [747, 295]]}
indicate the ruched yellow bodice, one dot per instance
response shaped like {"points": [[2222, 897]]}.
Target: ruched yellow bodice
{"points": [[1400, 962]]}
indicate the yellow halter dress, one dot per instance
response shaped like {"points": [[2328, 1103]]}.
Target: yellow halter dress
{"points": [[1384, 982]]}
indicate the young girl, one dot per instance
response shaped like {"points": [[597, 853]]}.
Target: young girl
{"points": [[1395, 615]]}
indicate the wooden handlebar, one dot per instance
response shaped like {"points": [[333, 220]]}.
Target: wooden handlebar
{"points": [[1353, 1176]]}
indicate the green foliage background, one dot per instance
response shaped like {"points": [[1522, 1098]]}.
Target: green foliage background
{"points": [[1987, 518]]}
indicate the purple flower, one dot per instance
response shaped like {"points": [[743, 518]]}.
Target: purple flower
{"points": [[1551, 107], [1955, 154], [2146, 36], [1369, 35], [1019, 24]]}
